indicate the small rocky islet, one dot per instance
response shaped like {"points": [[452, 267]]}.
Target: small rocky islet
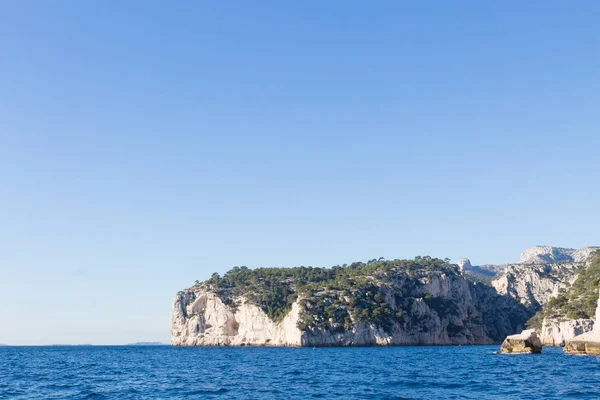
{"points": [[550, 296], [524, 342]]}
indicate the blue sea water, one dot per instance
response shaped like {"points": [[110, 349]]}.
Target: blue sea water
{"points": [[164, 372]]}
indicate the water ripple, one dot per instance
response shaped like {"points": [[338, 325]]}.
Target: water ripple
{"points": [[291, 373]]}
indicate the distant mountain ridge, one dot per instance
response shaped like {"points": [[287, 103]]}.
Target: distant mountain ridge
{"points": [[549, 254], [536, 255]]}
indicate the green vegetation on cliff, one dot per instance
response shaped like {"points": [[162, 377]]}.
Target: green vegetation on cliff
{"points": [[338, 296], [578, 301]]}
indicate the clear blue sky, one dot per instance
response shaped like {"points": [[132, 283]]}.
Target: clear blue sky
{"points": [[145, 145]]}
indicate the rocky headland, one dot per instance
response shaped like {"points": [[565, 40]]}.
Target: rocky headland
{"points": [[425, 301]]}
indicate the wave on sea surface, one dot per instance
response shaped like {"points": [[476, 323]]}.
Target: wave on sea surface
{"points": [[121, 372]]}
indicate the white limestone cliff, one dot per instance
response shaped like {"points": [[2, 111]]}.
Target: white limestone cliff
{"points": [[464, 264], [588, 342], [541, 274], [558, 333], [478, 315], [534, 284], [200, 318]]}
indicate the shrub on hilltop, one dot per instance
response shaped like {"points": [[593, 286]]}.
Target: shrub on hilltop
{"points": [[334, 297]]}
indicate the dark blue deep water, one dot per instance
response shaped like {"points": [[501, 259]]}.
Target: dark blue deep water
{"points": [[293, 373]]}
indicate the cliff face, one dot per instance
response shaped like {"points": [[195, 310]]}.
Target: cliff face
{"points": [[400, 302], [588, 342], [533, 285], [201, 319], [558, 332], [557, 284], [417, 308]]}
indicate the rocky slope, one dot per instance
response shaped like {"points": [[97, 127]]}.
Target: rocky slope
{"points": [[400, 302], [541, 282], [588, 342], [533, 285]]}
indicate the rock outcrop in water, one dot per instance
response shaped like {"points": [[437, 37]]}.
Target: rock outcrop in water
{"points": [[402, 302], [525, 342]]}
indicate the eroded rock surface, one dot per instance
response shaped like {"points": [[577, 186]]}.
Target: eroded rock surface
{"points": [[414, 306], [558, 332], [586, 343], [412, 303], [201, 319], [534, 284], [525, 342]]}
